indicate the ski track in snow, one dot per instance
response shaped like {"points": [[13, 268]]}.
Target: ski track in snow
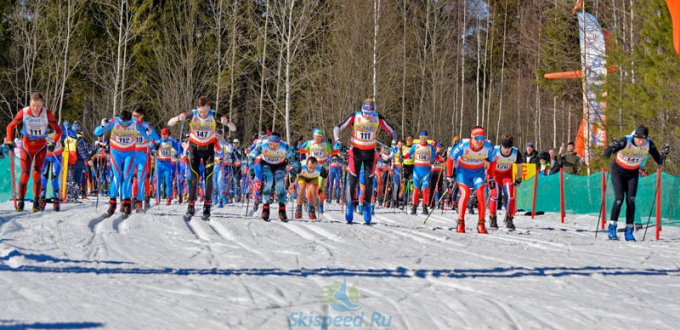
{"points": [[76, 269]]}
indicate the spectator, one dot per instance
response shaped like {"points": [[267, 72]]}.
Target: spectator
{"points": [[570, 159], [555, 163], [531, 156], [544, 163]]}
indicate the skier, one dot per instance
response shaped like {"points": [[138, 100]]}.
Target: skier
{"points": [[505, 156], [631, 155], [202, 147], [124, 131], [397, 166], [383, 169], [34, 119], [437, 178], [320, 149], [166, 150], [142, 163], [52, 171], [308, 182], [274, 155], [362, 153], [335, 172], [470, 158], [422, 155]]}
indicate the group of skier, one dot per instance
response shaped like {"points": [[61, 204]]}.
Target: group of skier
{"points": [[416, 172]]}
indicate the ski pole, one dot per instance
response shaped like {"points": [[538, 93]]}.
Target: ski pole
{"points": [[599, 215], [14, 185], [656, 191], [432, 211]]}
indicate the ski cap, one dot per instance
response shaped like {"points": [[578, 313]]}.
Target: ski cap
{"points": [[423, 133], [274, 138], [236, 141], [165, 131], [317, 131], [337, 145], [531, 144], [478, 133], [368, 107], [641, 132], [76, 127]]}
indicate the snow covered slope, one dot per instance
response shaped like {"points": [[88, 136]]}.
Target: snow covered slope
{"points": [[154, 271]]}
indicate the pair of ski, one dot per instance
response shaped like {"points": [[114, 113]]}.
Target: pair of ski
{"points": [[204, 217]]}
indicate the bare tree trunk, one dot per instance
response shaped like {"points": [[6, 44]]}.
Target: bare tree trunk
{"points": [[116, 90], [462, 68], [66, 48], [500, 101], [423, 65], [403, 77], [263, 67], [555, 121], [218, 21], [479, 63], [232, 70], [376, 26], [288, 61]]}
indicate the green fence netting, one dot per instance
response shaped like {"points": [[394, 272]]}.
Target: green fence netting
{"points": [[583, 196], [6, 180]]}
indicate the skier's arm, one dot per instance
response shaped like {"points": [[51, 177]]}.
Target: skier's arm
{"points": [[107, 125], [387, 127], [154, 137], [434, 155], [337, 129], [13, 124], [174, 120], [290, 154], [614, 147], [142, 130], [654, 152], [55, 126], [410, 152]]}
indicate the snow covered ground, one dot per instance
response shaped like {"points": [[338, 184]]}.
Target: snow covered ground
{"points": [[154, 271]]}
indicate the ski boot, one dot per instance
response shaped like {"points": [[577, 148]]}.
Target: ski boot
{"points": [[138, 207], [206, 212], [481, 229], [36, 205], [112, 208], [43, 203], [460, 228], [168, 201], [509, 223], [360, 208], [298, 212], [312, 213], [629, 233], [191, 210], [220, 204], [425, 211], [414, 209], [493, 222], [349, 212], [367, 214], [127, 208], [20, 206], [612, 231], [372, 209], [282, 212], [55, 204], [147, 203], [265, 212], [321, 207]]}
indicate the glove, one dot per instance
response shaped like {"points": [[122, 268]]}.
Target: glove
{"points": [[450, 182], [518, 180], [491, 183], [616, 144], [50, 146], [324, 173], [666, 149], [9, 144], [105, 121]]}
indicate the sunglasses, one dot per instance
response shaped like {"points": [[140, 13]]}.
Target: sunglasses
{"points": [[480, 138], [369, 113]]}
